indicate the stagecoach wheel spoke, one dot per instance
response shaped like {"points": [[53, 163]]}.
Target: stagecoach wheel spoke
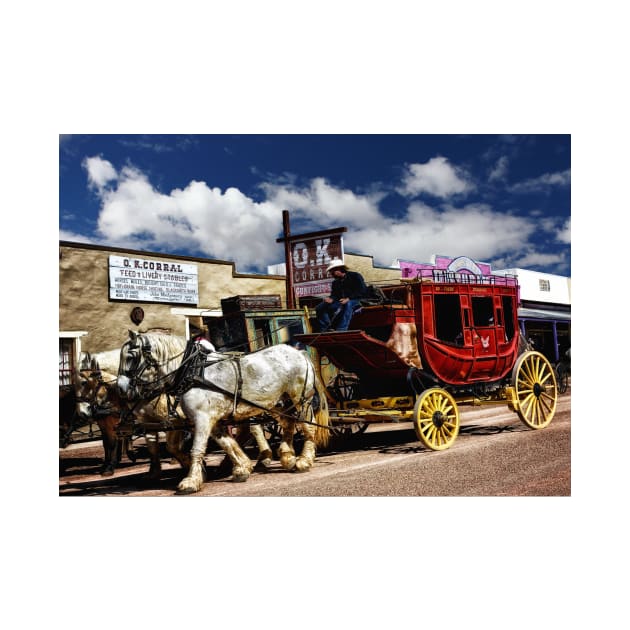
{"points": [[534, 382], [436, 419]]}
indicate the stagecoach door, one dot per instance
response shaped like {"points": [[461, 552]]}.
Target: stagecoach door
{"points": [[483, 325]]}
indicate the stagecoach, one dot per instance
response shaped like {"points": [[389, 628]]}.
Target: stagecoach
{"points": [[432, 344]]}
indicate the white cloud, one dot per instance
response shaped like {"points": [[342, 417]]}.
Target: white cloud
{"points": [[226, 225], [229, 225], [499, 171], [542, 183], [564, 233], [99, 171], [436, 177], [474, 230], [325, 203], [73, 237], [537, 259]]}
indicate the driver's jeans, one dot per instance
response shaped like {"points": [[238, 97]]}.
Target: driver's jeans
{"points": [[340, 313]]}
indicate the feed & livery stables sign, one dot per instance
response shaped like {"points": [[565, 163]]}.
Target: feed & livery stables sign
{"points": [[137, 279]]}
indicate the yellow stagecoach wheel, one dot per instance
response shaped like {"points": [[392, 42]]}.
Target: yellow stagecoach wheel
{"points": [[436, 419], [534, 383]]}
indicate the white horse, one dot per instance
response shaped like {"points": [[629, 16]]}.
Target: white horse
{"points": [[233, 389]]}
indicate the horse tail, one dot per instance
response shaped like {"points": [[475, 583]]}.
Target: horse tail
{"points": [[321, 415]]}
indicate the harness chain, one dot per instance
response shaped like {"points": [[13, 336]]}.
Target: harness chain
{"points": [[190, 374]]}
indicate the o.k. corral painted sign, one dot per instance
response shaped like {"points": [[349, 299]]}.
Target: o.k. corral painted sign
{"points": [[140, 280], [310, 257]]}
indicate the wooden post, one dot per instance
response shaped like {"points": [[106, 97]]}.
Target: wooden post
{"points": [[286, 227]]}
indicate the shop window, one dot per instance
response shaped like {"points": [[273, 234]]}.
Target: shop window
{"points": [[262, 331], [66, 363], [227, 333], [288, 328]]}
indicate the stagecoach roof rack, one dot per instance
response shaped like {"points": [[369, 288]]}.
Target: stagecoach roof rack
{"points": [[445, 276]]}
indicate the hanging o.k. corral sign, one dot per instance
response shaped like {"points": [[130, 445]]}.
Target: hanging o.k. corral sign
{"points": [[310, 256]]}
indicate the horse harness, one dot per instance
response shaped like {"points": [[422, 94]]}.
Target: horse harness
{"points": [[100, 410], [190, 374]]}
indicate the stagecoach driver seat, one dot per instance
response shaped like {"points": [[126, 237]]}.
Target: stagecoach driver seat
{"points": [[348, 288]]}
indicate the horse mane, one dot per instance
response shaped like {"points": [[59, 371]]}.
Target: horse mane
{"points": [[165, 347], [108, 360]]}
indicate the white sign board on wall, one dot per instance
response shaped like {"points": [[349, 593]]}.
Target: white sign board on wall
{"points": [[140, 280]]}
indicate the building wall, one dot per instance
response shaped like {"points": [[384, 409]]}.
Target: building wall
{"points": [[531, 286], [365, 266], [84, 302]]}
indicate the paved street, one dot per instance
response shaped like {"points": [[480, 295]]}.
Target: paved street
{"points": [[494, 455]]}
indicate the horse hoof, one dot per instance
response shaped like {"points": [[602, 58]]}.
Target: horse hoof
{"points": [[240, 476], [288, 463], [264, 464], [302, 465], [186, 488], [185, 491]]}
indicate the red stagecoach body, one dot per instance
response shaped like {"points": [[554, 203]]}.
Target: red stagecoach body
{"points": [[459, 328]]}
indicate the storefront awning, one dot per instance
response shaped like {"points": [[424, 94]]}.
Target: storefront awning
{"points": [[535, 313]]}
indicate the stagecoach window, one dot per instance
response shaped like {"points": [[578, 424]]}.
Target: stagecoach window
{"points": [[483, 311], [508, 310], [448, 317]]}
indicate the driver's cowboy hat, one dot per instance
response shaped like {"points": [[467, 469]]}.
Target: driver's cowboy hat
{"points": [[336, 263]]}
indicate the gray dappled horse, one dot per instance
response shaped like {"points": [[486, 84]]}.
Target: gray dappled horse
{"points": [[235, 389]]}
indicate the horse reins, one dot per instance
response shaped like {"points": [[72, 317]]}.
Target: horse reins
{"points": [[180, 389]]}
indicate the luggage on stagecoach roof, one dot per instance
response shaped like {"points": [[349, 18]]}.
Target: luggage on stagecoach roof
{"points": [[240, 303]]}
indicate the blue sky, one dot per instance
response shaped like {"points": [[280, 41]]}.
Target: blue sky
{"points": [[500, 199]]}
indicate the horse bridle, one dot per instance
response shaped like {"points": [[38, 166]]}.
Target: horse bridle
{"points": [[95, 408], [145, 390]]}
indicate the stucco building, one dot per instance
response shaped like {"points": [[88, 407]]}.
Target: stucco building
{"points": [[106, 291]]}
